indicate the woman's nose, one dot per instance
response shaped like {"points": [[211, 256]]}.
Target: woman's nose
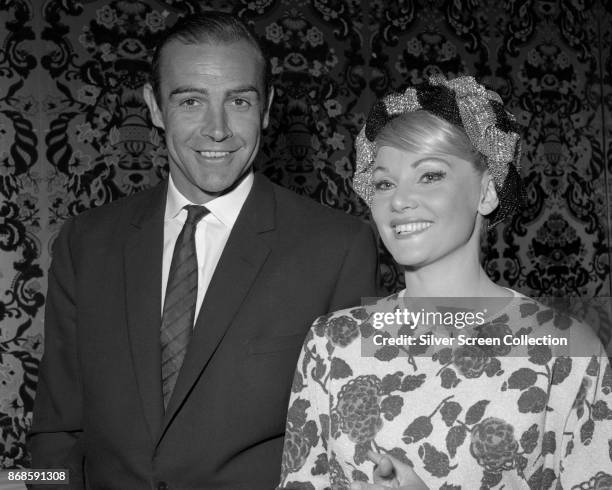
{"points": [[404, 197]]}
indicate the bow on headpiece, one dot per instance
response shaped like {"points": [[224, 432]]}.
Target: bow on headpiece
{"points": [[464, 103]]}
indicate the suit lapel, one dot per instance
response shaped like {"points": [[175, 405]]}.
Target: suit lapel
{"points": [[241, 260], [142, 261]]}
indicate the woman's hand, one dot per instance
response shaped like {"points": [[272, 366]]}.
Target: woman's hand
{"points": [[389, 472]]}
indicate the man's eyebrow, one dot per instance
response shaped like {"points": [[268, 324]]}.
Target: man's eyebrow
{"points": [[381, 168], [186, 89], [243, 90]]}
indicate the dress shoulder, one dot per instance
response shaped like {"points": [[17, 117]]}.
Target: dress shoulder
{"points": [[343, 327]]}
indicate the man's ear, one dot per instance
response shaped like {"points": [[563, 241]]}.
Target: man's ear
{"points": [[266, 115], [149, 97], [488, 195]]}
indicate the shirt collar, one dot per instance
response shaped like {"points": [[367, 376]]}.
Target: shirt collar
{"points": [[225, 208]]}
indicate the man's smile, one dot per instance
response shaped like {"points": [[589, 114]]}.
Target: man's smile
{"points": [[215, 154]]}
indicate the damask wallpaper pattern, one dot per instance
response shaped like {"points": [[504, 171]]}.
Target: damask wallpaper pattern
{"points": [[75, 134]]}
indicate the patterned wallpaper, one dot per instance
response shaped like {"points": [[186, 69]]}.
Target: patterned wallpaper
{"points": [[75, 134]]}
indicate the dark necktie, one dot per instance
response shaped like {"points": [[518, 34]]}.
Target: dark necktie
{"points": [[180, 301]]}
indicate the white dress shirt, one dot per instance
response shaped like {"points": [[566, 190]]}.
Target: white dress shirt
{"points": [[211, 234]]}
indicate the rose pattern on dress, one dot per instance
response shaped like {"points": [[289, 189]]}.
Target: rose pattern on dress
{"points": [[296, 451], [495, 330], [601, 481], [342, 331], [301, 435], [359, 408], [471, 361], [320, 325], [494, 445]]}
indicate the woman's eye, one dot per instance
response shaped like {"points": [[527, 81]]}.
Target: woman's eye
{"points": [[430, 177], [382, 185]]}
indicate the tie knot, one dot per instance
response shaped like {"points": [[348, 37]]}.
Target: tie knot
{"points": [[195, 214]]}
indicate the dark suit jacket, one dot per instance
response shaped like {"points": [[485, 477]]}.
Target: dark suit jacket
{"points": [[98, 408]]}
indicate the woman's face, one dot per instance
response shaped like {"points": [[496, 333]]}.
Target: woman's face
{"points": [[425, 206]]}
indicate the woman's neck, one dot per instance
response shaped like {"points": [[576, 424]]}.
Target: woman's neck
{"points": [[457, 275]]}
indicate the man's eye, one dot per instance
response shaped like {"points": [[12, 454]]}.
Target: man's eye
{"points": [[238, 102], [430, 177], [382, 185], [189, 103]]}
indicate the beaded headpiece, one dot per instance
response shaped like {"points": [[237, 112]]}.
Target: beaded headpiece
{"points": [[464, 103]]}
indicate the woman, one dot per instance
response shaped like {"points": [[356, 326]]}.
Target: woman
{"points": [[434, 163]]}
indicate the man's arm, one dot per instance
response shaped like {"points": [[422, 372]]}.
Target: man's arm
{"points": [[359, 275], [54, 440]]}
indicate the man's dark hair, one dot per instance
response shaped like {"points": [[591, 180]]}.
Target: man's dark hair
{"points": [[213, 27]]}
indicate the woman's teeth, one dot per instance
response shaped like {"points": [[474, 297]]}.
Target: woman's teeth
{"points": [[407, 228]]}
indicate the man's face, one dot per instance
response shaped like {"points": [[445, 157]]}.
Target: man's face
{"points": [[212, 107]]}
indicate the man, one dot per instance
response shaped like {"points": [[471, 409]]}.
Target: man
{"points": [[119, 402]]}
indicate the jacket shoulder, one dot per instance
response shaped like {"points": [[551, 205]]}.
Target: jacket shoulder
{"points": [[123, 209], [291, 204], [108, 223]]}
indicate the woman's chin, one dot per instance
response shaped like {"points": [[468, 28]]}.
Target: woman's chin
{"points": [[410, 262]]}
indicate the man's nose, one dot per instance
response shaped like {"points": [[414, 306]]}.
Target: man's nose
{"points": [[216, 125]]}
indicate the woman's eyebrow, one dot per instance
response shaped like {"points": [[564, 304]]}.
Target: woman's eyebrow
{"points": [[429, 159]]}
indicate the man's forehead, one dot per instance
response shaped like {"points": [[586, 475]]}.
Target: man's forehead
{"points": [[238, 47], [237, 59]]}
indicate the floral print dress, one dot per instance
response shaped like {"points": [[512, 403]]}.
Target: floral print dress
{"points": [[463, 417]]}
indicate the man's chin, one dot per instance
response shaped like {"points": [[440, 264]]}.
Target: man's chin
{"points": [[219, 187]]}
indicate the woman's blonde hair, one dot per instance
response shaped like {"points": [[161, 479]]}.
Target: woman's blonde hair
{"points": [[422, 132]]}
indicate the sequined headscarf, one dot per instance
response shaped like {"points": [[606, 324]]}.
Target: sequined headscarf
{"points": [[466, 104]]}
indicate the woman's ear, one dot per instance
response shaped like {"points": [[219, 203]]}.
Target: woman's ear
{"points": [[488, 195]]}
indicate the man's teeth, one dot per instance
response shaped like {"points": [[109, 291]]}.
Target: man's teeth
{"points": [[214, 154], [411, 227]]}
